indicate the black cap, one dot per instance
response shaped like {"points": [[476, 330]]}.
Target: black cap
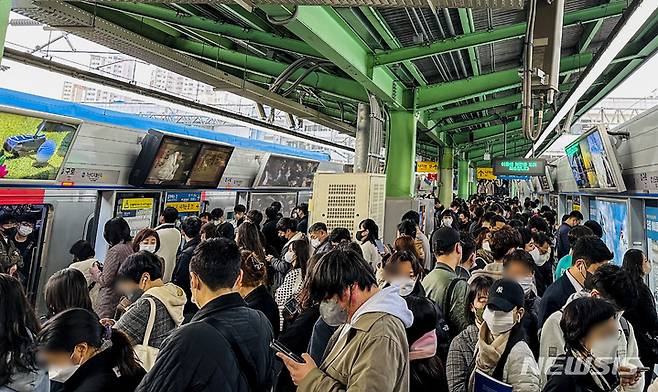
{"points": [[444, 240], [505, 295]]}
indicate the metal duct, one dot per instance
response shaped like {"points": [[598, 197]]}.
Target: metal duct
{"points": [[369, 138]]}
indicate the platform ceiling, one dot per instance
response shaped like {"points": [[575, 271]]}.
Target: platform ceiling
{"points": [[456, 67]]}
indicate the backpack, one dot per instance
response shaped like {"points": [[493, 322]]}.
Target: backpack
{"points": [[445, 306], [443, 329]]}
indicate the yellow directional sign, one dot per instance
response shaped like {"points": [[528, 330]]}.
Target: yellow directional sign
{"points": [[186, 206], [485, 173], [136, 204], [427, 167]]}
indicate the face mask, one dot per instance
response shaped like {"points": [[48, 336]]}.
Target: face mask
{"points": [[332, 313], [134, 295], [498, 321], [486, 246], [62, 374], [527, 283], [406, 285], [315, 242], [588, 277], [25, 230], [289, 257], [359, 235], [536, 255], [447, 222], [604, 350], [543, 259], [147, 247]]}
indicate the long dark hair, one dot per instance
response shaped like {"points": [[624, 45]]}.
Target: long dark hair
{"points": [[74, 326], [373, 230], [16, 319], [633, 264], [302, 253], [67, 289], [249, 239], [116, 231], [305, 296], [428, 371]]}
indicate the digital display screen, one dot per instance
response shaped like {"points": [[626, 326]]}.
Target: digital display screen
{"points": [[173, 162], [613, 217], [518, 167], [209, 166], [284, 172], [591, 163], [33, 148]]}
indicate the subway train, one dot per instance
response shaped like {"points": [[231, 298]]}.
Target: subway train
{"points": [[69, 167]]}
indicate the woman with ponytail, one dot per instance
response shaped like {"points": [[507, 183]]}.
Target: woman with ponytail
{"points": [[84, 356]]}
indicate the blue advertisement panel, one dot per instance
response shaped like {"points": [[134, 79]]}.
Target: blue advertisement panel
{"points": [[651, 214], [613, 217], [187, 203]]}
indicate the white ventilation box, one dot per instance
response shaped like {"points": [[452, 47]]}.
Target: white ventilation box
{"points": [[345, 199]]}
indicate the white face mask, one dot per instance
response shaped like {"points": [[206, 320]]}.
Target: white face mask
{"points": [[486, 246], [62, 374], [406, 285], [315, 243], [147, 247], [604, 350], [527, 284], [498, 321], [289, 257], [25, 230], [447, 222]]}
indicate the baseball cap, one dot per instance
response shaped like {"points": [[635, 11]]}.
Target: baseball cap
{"points": [[444, 240], [505, 294]]}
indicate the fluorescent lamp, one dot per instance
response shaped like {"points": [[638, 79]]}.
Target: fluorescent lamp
{"points": [[637, 19]]}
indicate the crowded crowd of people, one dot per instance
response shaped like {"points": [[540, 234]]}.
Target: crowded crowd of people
{"points": [[502, 293]]}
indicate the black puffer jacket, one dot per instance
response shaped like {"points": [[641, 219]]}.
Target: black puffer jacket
{"points": [[98, 375], [199, 357]]}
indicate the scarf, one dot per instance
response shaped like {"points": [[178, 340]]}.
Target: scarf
{"points": [[490, 349], [424, 347]]}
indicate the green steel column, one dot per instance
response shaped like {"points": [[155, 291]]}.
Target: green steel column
{"points": [[401, 155], [474, 183], [462, 178], [445, 173], [5, 8]]}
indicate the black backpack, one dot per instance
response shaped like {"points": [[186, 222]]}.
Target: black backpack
{"points": [[444, 332]]}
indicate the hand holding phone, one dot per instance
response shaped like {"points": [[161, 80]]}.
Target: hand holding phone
{"points": [[280, 348]]}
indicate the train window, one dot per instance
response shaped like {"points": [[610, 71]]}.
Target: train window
{"points": [[27, 237], [90, 229]]}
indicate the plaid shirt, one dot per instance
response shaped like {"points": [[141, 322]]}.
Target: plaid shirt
{"points": [[133, 322], [461, 358]]}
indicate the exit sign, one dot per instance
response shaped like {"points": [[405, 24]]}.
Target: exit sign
{"points": [[519, 167]]}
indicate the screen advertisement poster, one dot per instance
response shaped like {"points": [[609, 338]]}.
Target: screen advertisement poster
{"points": [[209, 166], [173, 162], [651, 214], [613, 217], [33, 148], [593, 163], [284, 172]]}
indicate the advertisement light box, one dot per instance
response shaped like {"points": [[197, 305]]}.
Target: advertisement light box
{"points": [[518, 167]]}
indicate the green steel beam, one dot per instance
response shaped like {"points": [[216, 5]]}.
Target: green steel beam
{"points": [[475, 107], [496, 148], [212, 26], [648, 46], [401, 154], [383, 30], [5, 9], [249, 18], [459, 90], [590, 31], [475, 121], [339, 86], [493, 130], [485, 37], [322, 28], [468, 27]]}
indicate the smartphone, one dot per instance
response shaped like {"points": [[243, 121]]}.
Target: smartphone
{"points": [[643, 369], [280, 348]]}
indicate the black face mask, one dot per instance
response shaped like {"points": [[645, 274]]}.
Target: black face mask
{"points": [[359, 235], [588, 283]]}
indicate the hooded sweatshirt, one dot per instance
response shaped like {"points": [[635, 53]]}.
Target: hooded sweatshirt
{"points": [[354, 358], [169, 303], [551, 344]]}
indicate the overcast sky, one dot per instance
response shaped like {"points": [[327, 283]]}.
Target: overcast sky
{"points": [[36, 81]]}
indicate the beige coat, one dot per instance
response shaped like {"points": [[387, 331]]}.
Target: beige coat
{"points": [[373, 356]]}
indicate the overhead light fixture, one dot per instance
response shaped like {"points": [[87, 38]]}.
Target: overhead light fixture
{"points": [[635, 21]]}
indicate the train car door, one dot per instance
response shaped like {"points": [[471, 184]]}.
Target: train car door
{"points": [[139, 209], [28, 236]]}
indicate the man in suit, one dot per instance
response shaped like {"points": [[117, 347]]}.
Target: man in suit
{"points": [[562, 237], [589, 253]]}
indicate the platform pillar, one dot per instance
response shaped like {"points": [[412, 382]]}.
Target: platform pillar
{"points": [[445, 176], [5, 8], [462, 178], [401, 156]]}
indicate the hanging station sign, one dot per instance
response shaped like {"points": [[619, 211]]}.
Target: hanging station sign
{"points": [[518, 167], [484, 173], [427, 167]]}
